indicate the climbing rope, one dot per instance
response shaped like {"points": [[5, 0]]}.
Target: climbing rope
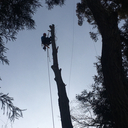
{"points": [[48, 60], [72, 50]]}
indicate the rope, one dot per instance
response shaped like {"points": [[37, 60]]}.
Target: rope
{"points": [[48, 59], [71, 50]]}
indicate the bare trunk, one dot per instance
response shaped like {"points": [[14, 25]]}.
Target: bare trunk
{"points": [[63, 99], [112, 62]]}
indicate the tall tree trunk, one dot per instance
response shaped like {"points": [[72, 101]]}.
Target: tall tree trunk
{"points": [[63, 99], [112, 62]]}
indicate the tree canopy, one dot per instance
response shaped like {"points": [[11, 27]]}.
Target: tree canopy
{"points": [[8, 107], [15, 15], [105, 15], [118, 6], [52, 3], [94, 104]]}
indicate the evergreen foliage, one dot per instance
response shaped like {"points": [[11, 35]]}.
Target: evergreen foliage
{"points": [[96, 101], [52, 3], [105, 15], [15, 15], [118, 6], [12, 111]]}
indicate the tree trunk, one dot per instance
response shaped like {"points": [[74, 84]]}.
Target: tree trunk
{"points": [[112, 62], [63, 99]]}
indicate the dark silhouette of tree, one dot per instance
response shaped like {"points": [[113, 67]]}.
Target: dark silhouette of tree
{"points": [[97, 99], [63, 100], [105, 16], [8, 108], [15, 15], [3, 50], [95, 104], [51, 3]]}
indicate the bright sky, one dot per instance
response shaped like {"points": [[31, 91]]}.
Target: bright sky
{"points": [[26, 78]]}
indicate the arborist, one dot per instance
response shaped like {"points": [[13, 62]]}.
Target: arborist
{"points": [[46, 41]]}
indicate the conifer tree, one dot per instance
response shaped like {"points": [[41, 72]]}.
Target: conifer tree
{"points": [[15, 15], [105, 16]]}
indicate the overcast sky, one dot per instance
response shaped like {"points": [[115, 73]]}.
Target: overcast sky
{"points": [[26, 78]]}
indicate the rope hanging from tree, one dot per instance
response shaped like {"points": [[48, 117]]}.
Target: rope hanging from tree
{"points": [[48, 60]]}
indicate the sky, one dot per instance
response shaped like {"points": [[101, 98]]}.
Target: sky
{"points": [[26, 77]]}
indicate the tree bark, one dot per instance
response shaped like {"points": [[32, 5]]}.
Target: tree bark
{"points": [[112, 62], [63, 99]]}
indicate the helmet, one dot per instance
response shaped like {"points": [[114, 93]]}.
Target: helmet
{"points": [[44, 34]]}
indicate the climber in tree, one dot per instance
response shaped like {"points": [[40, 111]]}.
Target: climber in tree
{"points": [[46, 41]]}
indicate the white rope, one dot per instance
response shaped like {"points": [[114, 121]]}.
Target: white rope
{"points": [[48, 59], [72, 50]]}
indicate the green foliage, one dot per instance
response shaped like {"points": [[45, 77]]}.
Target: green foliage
{"points": [[51, 3], [3, 50], [105, 12], [96, 101], [15, 15], [12, 111], [118, 6], [94, 36], [83, 11]]}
